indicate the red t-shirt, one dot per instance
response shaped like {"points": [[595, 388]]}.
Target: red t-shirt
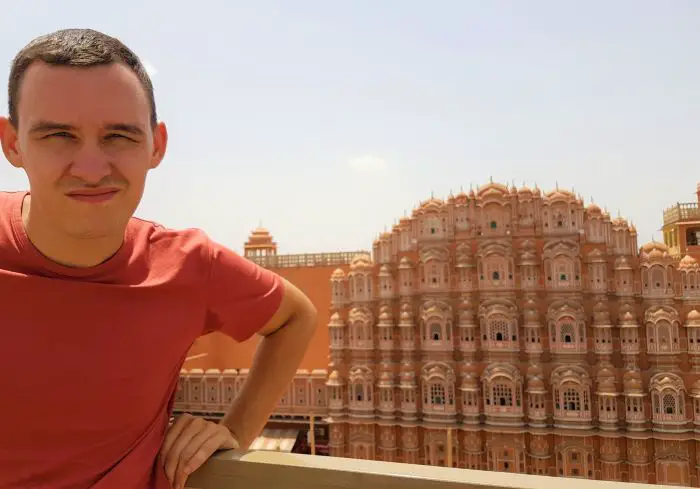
{"points": [[90, 358]]}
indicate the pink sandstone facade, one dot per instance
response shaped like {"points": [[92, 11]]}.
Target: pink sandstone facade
{"points": [[530, 326]]}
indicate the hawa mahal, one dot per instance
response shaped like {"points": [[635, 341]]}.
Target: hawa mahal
{"points": [[501, 329]]}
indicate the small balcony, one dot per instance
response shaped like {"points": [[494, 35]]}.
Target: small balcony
{"points": [[686, 211], [278, 470]]}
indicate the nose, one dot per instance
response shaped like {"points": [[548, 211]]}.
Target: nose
{"points": [[90, 164]]}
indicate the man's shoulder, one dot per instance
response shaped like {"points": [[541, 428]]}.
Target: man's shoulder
{"points": [[162, 239], [8, 198]]}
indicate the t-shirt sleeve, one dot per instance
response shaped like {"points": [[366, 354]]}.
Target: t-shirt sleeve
{"points": [[242, 296]]}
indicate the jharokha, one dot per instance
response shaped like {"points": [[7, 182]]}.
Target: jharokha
{"points": [[521, 331]]}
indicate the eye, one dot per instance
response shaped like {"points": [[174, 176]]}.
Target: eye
{"points": [[59, 135], [115, 136]]}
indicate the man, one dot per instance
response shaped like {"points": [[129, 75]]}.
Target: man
{"points": [[97, 308]]}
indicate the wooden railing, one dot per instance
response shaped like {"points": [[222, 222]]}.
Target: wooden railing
{"points": [[276, 470]]}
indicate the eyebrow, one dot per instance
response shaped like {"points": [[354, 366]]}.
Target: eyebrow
{"points": [[45, 126]]}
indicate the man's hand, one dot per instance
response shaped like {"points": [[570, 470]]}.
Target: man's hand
{"points": [[189, 442]]}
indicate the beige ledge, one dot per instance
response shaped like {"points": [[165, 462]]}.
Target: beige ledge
{"points": [[276, 470]]}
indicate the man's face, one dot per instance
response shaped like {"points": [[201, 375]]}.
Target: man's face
{"points": [[85, 140]]}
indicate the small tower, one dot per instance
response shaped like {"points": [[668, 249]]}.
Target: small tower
{"points": [[259, 244]]}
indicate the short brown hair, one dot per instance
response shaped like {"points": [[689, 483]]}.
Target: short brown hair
{"points": [[81, 48]]}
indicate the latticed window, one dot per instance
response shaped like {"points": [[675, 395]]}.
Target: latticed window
{"points": [[572, 400], [359, 392], [502, 395], [498, 330], [567, 333], [437, 394], [435, 332], [669, 404]]}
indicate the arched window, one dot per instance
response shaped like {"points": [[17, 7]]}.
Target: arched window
{"points": [[436, 325], [438, 388], [360, 388], [662, 326], [571, 386], [502, 389], [668, 398], [499, 325], [568, 331]]}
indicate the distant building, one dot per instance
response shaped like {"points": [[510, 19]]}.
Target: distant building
{"points": [[523, 332], [682, 228], [217, 366], [532, 328]]}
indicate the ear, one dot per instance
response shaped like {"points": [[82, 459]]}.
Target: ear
{"points": [[160, 144], [10, 142]]}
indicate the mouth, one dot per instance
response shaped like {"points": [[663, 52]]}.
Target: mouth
{"points": [[93, 196]]}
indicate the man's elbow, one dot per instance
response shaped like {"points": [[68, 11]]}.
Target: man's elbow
{"points": [[307, 314]]}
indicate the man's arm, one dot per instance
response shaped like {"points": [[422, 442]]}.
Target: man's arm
{"points": [[286, 336], [242, 299]]}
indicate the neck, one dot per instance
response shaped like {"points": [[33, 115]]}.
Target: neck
{"points": [[66, 250]]}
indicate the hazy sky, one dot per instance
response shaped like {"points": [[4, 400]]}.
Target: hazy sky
{"points": [[326, 119]]}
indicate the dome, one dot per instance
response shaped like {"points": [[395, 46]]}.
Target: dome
{"points": [[385, 271], [385, 315], [386, 379], [622, 263], [338, 274], [534, 370], [430, 206], [469, 382], [465, 317], [560, 194], [620, 222], [260, 233], [607, 385], [688, 263], [632, 374], [405, 263], [594, 209], [655, 254], [653, 245], [361, 262], [628, 318], [531, 316], [334, 378], [525, 191], [492, 188], [535, 385], [605, 373], [336, 321], [633, 382], [694, 317]]}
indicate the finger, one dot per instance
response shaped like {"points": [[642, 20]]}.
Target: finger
{"points": [[194, 426], [200, 448], [172, 434]]}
